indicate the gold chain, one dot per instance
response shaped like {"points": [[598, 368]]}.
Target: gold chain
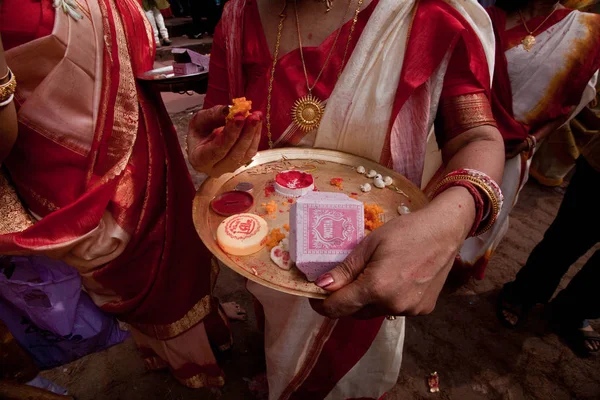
{"points": [[282, 18], [540, 25], [352, 27], [333, 46]]}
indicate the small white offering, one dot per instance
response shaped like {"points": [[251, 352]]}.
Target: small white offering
{"points": [[403, 210], [378, 176], [372, 173], [280, 254], [379, 183], [361, 170], [388, 181], [365, 188]]}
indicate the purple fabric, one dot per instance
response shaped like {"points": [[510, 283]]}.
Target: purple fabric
{"points": [[43, 306]]}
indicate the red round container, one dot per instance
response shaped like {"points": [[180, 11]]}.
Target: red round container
{"points": [[231, 203]]}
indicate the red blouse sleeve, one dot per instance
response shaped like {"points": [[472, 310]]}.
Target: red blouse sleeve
{"points": [[459, 79], [218, 81], [464, 103]]}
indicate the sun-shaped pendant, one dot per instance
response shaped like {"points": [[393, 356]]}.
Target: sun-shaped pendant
{"points": [[528, 42], [307, 112]]}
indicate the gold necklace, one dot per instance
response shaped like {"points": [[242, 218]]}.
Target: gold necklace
{"points": [[529, 41], [310, 110]]}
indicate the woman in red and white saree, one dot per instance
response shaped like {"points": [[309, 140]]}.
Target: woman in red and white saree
{"points": [[535, 91], [392, 88], [98, 163]]}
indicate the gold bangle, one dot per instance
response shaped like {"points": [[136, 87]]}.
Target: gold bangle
{"points": [[8, 89], [8, 72], [481, 185]]}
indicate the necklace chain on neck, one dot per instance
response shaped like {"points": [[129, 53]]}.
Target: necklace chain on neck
{"points": [[540, 25], [316, 104]]}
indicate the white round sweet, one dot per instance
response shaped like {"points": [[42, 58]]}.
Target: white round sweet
{"points": [[372, 174], [378, 176], [388, 180], [365, 188], [361, 170], [379, 183]]}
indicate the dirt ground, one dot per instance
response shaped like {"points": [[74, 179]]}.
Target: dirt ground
{"points": [[474, 355]]}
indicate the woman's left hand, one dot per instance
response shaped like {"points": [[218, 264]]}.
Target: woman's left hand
{"points": [[400, 268]]}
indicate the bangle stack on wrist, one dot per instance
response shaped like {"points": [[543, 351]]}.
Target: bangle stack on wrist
{"points": [[486, 194], [7, 90]]}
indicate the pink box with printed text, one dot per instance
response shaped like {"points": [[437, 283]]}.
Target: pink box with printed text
{"points": [[324, 229]]}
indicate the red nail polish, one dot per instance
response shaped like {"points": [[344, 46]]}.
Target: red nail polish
{"points": [[324, 281]]}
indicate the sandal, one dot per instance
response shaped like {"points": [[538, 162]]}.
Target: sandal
{"points": [[508, 301], [575, 338]]}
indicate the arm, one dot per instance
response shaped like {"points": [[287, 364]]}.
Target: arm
{"points": [[216, 147], [401, 267], [8, 116]]}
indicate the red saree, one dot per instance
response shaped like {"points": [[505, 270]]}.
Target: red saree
{"points": [[309, 356], [114, 198]]}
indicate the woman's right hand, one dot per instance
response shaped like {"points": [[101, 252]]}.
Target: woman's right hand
{"points": [[217, 146]]}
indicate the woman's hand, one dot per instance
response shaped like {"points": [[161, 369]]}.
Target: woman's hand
{"points": [[541, 133], [400, 268], [216, 147]]}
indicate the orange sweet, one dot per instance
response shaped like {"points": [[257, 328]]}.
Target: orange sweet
{"points": [[337, 182], [240, 106], [274, 237], [373, 214]]}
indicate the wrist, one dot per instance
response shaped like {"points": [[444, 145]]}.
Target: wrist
{"points": [[456, 207]]}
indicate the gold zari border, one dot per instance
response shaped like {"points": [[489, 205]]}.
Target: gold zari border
{"points": [[201, 381], [13, 216], [164, 332], [461, 113]]}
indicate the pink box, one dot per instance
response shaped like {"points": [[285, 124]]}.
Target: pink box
{"points": [[324, 228], [181, 69]]}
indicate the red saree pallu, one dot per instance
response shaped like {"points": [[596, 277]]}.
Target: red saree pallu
{"points": [[98, 163]]}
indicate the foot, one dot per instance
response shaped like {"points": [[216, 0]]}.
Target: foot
{"points": [[509, 310], [166, 42], [581, 338], [158, 45], [234, 311], [591, 339]]}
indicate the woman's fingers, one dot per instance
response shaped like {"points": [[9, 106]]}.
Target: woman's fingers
{"points": [[205, 121], [210, 151], [348, 300], [237, 153]]}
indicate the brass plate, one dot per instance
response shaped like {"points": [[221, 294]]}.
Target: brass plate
{"points": [[323, 165]]}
